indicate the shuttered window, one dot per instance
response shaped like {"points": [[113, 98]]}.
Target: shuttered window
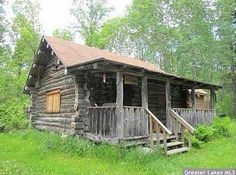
{"points": [[53, 101]]}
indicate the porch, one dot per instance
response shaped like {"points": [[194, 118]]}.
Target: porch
{"points": [[129, 105], [124, 108]]}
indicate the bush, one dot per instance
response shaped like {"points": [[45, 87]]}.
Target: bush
{"points": [[12, 116], [221, 127], [196, 143], [204, 133]]}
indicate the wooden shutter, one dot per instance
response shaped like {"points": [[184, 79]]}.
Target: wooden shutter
{"points": [[53, 101], [56, 102]]}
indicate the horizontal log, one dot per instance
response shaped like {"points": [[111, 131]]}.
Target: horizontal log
{"points": [[55, 119], [53, 124], [77, 125], [53, 129]]}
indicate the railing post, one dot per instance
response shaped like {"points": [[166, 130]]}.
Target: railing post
{"points": [[144, 92], [182, 133], [168, 105], [165, 141], [150, 130], [189, 139], [119, 105], [193, 98], [212, 99]]}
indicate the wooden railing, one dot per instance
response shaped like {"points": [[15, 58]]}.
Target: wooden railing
{"points": [[135, 123], [196, 116], [153, 120], [103, 121], [179, 126]]}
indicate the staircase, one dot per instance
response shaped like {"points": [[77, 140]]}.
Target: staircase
{"points": [[170, 142], [173, 145]]}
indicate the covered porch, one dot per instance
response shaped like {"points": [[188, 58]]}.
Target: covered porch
{"points": [[128, 104]]}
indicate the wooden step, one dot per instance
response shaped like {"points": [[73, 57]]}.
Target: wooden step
{"points": [[161, 138], [178, 150], [171, 144]]}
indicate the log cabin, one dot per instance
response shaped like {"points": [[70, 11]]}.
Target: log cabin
{"points": [[202, 99], [102, 96]]}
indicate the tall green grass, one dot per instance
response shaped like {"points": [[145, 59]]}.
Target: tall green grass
{"points": [[34, 152]]}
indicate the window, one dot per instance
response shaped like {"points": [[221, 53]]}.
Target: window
{"points": [[53, 101]]}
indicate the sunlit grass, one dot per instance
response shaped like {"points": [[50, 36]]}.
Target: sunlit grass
{"points": [[33, 152]]}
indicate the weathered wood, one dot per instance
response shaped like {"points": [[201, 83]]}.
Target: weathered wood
{"points": [[182, 121], [103, 121], [144, 92], [193, 98], [119, 104], [196, 116], [168, 104], [165, 141], [151, 131], [212, 99]]}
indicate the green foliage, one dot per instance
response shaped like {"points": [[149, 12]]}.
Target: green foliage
{"points": [[224, 104], [89, 16], [204, 133], [63, 34], [26, 152], [221, 127], [12, 116], [196, 142], [188, 38], [15, 64]]}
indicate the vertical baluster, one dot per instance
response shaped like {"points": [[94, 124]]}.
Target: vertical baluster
{"points": [[176, 129], [158, 133], [189, 139], [150, 128], [165, 141], [182, 133]]}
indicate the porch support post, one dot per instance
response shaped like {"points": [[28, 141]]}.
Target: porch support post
{"points": [[193, 98], [144, 92], [168, 104], [119, 104], [212, 99]]}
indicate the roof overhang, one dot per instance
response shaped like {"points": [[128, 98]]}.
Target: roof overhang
{"points": [[185, 82]]}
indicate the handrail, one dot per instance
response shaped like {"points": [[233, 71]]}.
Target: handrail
{"points": [[191, 109], [101, 107], [182, 121], [158, 121]]}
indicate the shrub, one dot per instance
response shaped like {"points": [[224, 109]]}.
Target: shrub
{"points": [[204, 133], [221, 127], [196, 143], [12, 116]]}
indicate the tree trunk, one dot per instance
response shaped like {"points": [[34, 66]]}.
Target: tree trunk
{"points": [[234, 93]]}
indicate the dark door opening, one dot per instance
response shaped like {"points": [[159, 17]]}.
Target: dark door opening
{"points": [[128, 93]]}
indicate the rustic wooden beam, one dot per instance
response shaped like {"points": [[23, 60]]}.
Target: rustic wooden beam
{"points": [[168, 104], [119, 104], [212, 99], [193, 97], [144, 92]]}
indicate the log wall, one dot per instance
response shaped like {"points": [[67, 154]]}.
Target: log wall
{"points": [[53, 77]]}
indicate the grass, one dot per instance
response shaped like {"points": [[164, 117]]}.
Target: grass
{"points": [[33, 152]]}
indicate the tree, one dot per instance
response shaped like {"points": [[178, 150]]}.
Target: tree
{"points": [[2, 26], [226, 39], [25, 35], [89, 16], [63, 34], [188, 38]]}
